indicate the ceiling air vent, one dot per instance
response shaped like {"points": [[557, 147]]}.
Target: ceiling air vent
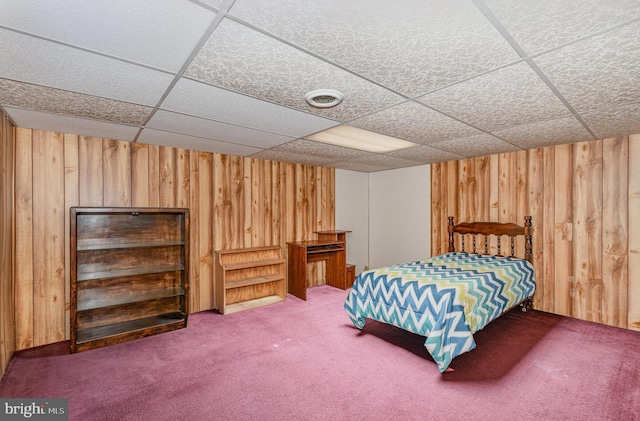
{"points": [[324, 98]]}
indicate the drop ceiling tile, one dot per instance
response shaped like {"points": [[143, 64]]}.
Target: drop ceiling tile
{"points": [[511, 96], [157, 33], [546, 133], [317, 149], [598, 72], [292, 157], [356, 166], [544, 24], [425, 154], [202, 100], [40, 62], [162, 138], [308, 152], [614, 122], [414, 49], [71, 125], [479, 145], [209, 129], [383, 160], [216, 4], [56, 101], [249, 62], [416, 123]]}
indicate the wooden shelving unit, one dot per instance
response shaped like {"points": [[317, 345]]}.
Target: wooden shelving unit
{"points": [[129, 274], [249, 278]]}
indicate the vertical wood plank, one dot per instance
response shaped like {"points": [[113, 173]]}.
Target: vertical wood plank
{"points": [[182, 178], [290, 202], [330, 222], [207, 218], [522, 195], [90, 171], [267, 199], [7, 209], [483, 187], [168, 194], [467, 197], [615, 179], [507, 194], [71, 198], [116, 167], [23, 281], [548, 231], [300, 211], [436, 211], [535, 183], [470, 190], [221, 201], [194, 231], [247, 203], [505, 174], [315, 197], [633, 255], [438, 241], [236, 185], [315, 218], [494, 207], [587, 230], [306, 217], [325, 180], [139, 175], [257, 204], [154, 175], [464, 197], [563, 236], [48, 233], [277, 211], [331, 199], [309, 182], [452, 193]]}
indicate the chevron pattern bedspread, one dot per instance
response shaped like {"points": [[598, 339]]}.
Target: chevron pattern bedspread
{"points": [[446, 298]]}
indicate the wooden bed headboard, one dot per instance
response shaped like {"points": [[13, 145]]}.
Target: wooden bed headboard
{"points": [[493, 228]]}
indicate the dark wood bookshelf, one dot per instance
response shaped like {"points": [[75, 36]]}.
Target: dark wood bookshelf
{"points": [[129, 274]]}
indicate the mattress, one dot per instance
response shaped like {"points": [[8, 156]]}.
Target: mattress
{"points": [[446, 298]]}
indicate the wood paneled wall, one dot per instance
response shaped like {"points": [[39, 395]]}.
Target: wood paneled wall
{"points": [[234, 202], [583, 198], [7, 326]]}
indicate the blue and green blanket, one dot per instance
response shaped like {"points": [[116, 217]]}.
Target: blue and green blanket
{"points": [[446, 298]]}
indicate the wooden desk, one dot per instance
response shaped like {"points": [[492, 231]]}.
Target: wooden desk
{"points": [[333, 252]]}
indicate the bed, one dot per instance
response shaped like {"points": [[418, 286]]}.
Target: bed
{"points": [[450, 297]]}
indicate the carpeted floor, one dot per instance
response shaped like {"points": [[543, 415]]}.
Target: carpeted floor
{"points": [[302, 360]]}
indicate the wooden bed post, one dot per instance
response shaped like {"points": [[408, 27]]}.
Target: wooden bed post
{"points": [[528, 246], [450, 229]]}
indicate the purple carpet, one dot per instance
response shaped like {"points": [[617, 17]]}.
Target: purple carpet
{"points": [[302, 360]]}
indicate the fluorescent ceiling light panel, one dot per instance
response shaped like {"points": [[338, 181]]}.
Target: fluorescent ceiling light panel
{"points": [[364, 140]]}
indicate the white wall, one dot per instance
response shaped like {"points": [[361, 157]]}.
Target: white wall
{"points": [[352, 213], [399, 216], [389, 213]]}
